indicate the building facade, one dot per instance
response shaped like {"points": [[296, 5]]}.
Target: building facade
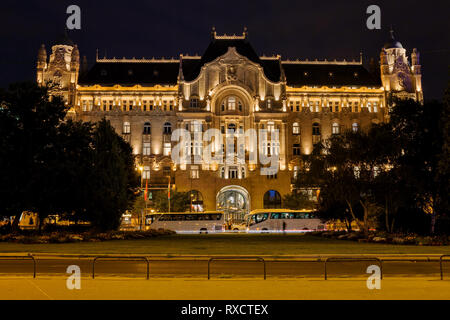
{"points": [[231, 89]]}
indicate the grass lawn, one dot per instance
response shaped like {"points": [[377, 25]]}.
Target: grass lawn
{"points": [[241, 244]]}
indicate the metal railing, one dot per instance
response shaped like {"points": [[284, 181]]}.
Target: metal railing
{"points": [[236, 258], [118, 258], [147, 259], [352, 259], [29, 256], [440, 264]]}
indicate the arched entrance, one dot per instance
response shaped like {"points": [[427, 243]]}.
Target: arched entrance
{"points": [[234, 201]]}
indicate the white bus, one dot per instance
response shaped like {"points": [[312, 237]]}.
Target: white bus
{"points": [[187, 222], [283, 220]]}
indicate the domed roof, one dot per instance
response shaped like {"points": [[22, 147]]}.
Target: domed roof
{"points": [[64, 39], [392, 43]]}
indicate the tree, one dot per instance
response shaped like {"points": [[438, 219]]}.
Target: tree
{"points": [[29, 121], [179, 201], [113, 180], [298, 200]]}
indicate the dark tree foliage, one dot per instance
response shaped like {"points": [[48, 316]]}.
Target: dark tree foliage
{"points": [[113, 180], [53, 165], [396, 173], [179, 201]]}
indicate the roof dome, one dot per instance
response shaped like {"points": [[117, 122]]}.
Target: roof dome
{"points": [[392, 43], [64, 39]]}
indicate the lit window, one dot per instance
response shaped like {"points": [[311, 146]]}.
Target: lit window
{"points": [[335, 128], [231, 104], [355, 127], [167, 148], [146, 173], [375, 107], [295, 128], [196, 126], [195, 173], [126, 127], [270, 126], [369, 106], [146, 148], [84, 104]]}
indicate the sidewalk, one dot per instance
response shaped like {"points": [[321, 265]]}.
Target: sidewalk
{"points": [[50, 288]]}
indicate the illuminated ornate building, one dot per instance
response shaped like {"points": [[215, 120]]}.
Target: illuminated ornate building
{"points": [[230, 88]]}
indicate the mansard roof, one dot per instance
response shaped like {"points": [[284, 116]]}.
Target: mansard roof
{"points": [[328, 74], [149, 72], [166, 71], [219, 46]]}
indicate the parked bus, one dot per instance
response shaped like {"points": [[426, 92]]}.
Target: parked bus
{"points": [[187, 222], [283, 220]]}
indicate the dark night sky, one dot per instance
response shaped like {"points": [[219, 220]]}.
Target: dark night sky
{"points": [[294, 29]]}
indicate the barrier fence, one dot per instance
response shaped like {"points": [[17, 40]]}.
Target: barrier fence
{"points": [[324, 260]]}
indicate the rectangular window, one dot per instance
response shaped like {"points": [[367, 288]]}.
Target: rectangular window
{"points": [[232, 173], [296, 149], [146, 148], [146, 173], [195, 173], [84, 104], [336, 106], [126, 128], [167, 148]]}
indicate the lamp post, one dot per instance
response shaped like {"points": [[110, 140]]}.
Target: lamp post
{"points": [[142, 213]]}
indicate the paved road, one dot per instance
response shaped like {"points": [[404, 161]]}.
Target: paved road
{"points": [[220, 269]]}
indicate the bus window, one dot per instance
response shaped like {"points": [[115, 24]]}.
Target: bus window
{"points": [[275, 215], [299, 215], [287, 215], [261, 217]]}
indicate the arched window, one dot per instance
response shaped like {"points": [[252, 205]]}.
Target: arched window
{"points": [[355, 127], [167, 128], [295, 128], [231, 128], [369, 106], [316, 129], [272, 200], [335, 128], [147, 128]]}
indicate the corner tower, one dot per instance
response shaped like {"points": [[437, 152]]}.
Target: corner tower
{"points": [[400, 78], [62, 68]]}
